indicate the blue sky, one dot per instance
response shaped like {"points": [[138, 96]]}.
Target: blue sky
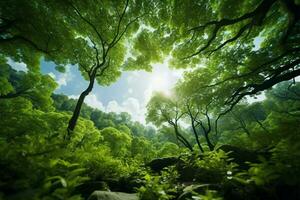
{"points": [[130, 93]]}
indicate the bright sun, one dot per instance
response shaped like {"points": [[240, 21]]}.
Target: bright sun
{"points": [[161, 83], [162, 79]]}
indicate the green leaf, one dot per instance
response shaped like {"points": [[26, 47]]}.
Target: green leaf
{"points": [[60, 68]]}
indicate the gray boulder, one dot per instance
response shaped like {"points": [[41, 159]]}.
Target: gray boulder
{"points": [[158, 164], [105, 195]]}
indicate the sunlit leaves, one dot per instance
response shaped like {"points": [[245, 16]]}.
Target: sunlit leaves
{"points": [[6, 87], [116, 140], [60, 68], [160, 109]]}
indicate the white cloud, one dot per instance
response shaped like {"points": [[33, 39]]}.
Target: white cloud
{"points": [[73, 96], [140, 86], [91, 100], [113, 106], [131, 106], [178, 73], [19, 66], [135, 73], [129, 79], [134, 76], [148, 94], [256, 98], [94, 102], [63, 78]]}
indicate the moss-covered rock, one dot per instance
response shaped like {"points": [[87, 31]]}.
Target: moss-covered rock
{"points": [[105, 195], [158, 164]]}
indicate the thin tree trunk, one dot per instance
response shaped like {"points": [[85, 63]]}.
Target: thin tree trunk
{"points": [[210, 145], [240, 120], [182, 139], [197, 137], [76, 113], [245, 130]]}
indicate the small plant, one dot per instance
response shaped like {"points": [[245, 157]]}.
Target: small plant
{"points": [[160, 187], [214, 167], [62, 186], [209, 195]]}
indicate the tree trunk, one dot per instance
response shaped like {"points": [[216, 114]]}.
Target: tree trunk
{"points": [[76, 113], [210, 145], [182, 139], [245, 130], [196, 136]]}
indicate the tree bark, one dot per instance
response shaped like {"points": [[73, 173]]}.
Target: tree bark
{"points": [[182, 139], [209, 144], [196, 136], [76, 113]]}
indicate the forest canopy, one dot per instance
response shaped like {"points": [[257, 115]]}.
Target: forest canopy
{"points": [[226, 130]]}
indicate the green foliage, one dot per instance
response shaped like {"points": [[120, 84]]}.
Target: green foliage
{"points": [[62, 186], [251, 47], [69, 32], [60, 68], [283, 167], [30, 85], [142, 149], [118, 141], [169, 149], [159, 187], [209, 195], [34, 156], [160, 109], [102, 119], [214, 167], [100, 164]]}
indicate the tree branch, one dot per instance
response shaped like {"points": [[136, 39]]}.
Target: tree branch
{"points": [[256, 16], [16, 38]]}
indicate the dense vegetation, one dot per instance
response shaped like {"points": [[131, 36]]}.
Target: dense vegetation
{"points": [[207, 140]]}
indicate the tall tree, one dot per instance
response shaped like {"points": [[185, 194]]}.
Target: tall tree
{"points": [[162, 109], [105, 30], [200, 119], [101, 38]]}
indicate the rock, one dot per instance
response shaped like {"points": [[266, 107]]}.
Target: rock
{"points": [[158, 164], [127, 184], [105, 195], [187, 173], [88, 187]]}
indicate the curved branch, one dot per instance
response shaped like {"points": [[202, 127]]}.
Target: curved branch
{"points": [[103, 42], [241, 31], [26, 40], [257, 16], [256, 69], [252, 89], [14, 95], [119, 23]]}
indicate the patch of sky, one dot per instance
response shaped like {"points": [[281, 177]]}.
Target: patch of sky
{"points": [[130, 93], [257, 43], [19, 66]]}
